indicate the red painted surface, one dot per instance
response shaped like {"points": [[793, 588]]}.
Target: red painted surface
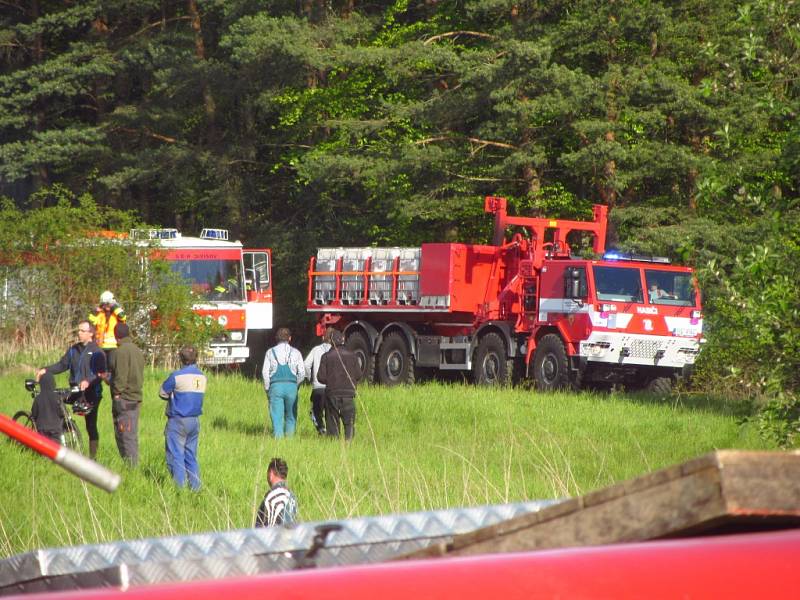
{"points": [[469, 274], [28, 437], [209, 253], [761, 565]]}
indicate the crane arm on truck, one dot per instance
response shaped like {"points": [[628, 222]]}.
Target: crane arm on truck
{"points": [[539, 227]]}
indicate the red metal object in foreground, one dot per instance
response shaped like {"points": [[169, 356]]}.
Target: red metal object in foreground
{"points": [[72, 461], [757, 565]]}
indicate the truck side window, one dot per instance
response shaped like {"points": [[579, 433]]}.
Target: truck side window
{"points": [[256, 268]]}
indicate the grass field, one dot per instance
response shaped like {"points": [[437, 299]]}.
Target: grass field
{"points": [[431, 446]]}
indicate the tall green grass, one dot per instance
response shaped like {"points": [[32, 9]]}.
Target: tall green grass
{"points": [[430, 446]]}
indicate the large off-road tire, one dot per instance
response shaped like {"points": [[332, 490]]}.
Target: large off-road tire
{"points": [[492, 365], [395, 363], [358, 343], [659, 386], [550, 364], [23, 417]]}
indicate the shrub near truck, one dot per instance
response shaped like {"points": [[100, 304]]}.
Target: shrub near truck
{"points": [[521, 307]]}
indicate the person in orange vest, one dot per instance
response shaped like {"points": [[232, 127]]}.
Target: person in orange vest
{"points": [[105, 318]]}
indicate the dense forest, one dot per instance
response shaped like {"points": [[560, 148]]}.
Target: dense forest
{"points": [[342, 122]]}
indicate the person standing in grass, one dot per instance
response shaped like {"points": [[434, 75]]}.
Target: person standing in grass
{"points": [[184, 391], [279, 507], [317, 388], [105, 318], [339, 371], [127, 378], [86, 364], [283, 371]]}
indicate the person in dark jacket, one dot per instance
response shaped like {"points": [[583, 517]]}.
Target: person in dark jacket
{"points": [[86, 363], [339, 371], [47, 411], [184, 390], [127, 378]]}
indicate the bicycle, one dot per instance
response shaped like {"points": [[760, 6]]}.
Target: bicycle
{"points": [[71, 436]]}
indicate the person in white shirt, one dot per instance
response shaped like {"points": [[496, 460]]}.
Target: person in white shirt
{"points": [[317, 388], [656, 293], [283, 372]]}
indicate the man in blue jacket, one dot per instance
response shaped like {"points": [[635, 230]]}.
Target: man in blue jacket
{"points": [[184, 390], [86, 364]]}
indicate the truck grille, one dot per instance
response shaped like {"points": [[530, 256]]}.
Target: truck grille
{"points": [[644, 348]]}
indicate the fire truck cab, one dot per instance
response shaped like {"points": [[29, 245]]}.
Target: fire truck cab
{"points": [[523, 306], [232, 285], [626, 319]]}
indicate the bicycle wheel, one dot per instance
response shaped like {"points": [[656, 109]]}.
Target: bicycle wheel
{"points": [[23, 417], [71, 438]]}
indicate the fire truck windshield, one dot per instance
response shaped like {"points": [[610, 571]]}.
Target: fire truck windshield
{"points": [[212, 280], [670, 287], [618, 284]]}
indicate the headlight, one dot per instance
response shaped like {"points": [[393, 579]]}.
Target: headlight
{"points": [[598, 349], [236, 336], [222, 320]]}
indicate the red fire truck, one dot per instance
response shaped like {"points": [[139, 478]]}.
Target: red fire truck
{"points": [[233, 285], [523, 306]]}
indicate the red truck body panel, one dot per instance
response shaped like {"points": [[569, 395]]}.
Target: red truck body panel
{"points": [[745, 566]]}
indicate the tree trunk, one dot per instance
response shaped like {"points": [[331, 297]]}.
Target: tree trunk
{"points": [[200, 52], [42, 177], [608, 190]]}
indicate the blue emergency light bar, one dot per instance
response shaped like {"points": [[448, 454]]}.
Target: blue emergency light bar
{"points": [[624, 256], [209, 233]]}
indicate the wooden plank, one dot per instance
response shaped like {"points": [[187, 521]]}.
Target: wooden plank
{"points": [[761, 484], [712, 491]]}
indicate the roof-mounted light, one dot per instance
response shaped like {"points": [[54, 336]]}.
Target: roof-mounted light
{"points": [[614, 255], [209, 233]]}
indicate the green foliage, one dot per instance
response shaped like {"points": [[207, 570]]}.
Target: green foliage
{"points": [[754, 324], [170, 321], [778, 421]]}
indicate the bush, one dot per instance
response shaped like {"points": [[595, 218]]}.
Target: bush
{"points": [[753, 328], [778, 421]]}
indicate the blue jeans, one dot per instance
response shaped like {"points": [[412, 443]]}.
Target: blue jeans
{"points": [[181, 435], [283, 408]]}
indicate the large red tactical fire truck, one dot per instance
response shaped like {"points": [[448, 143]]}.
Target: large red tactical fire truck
{"points": [[522, 306], [232, 285]]}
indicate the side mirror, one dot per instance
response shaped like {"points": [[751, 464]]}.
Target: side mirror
{"points": [[574, 283]]}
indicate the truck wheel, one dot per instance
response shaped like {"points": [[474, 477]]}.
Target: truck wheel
{"points": [[659, 386], [492, 366], [358, 343], [550, 364], [395, 363]]}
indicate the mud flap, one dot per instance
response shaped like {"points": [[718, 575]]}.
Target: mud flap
{"points": [[577, 367]]}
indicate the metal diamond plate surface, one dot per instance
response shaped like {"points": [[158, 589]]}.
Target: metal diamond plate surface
{"points": [[243, 552]]}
